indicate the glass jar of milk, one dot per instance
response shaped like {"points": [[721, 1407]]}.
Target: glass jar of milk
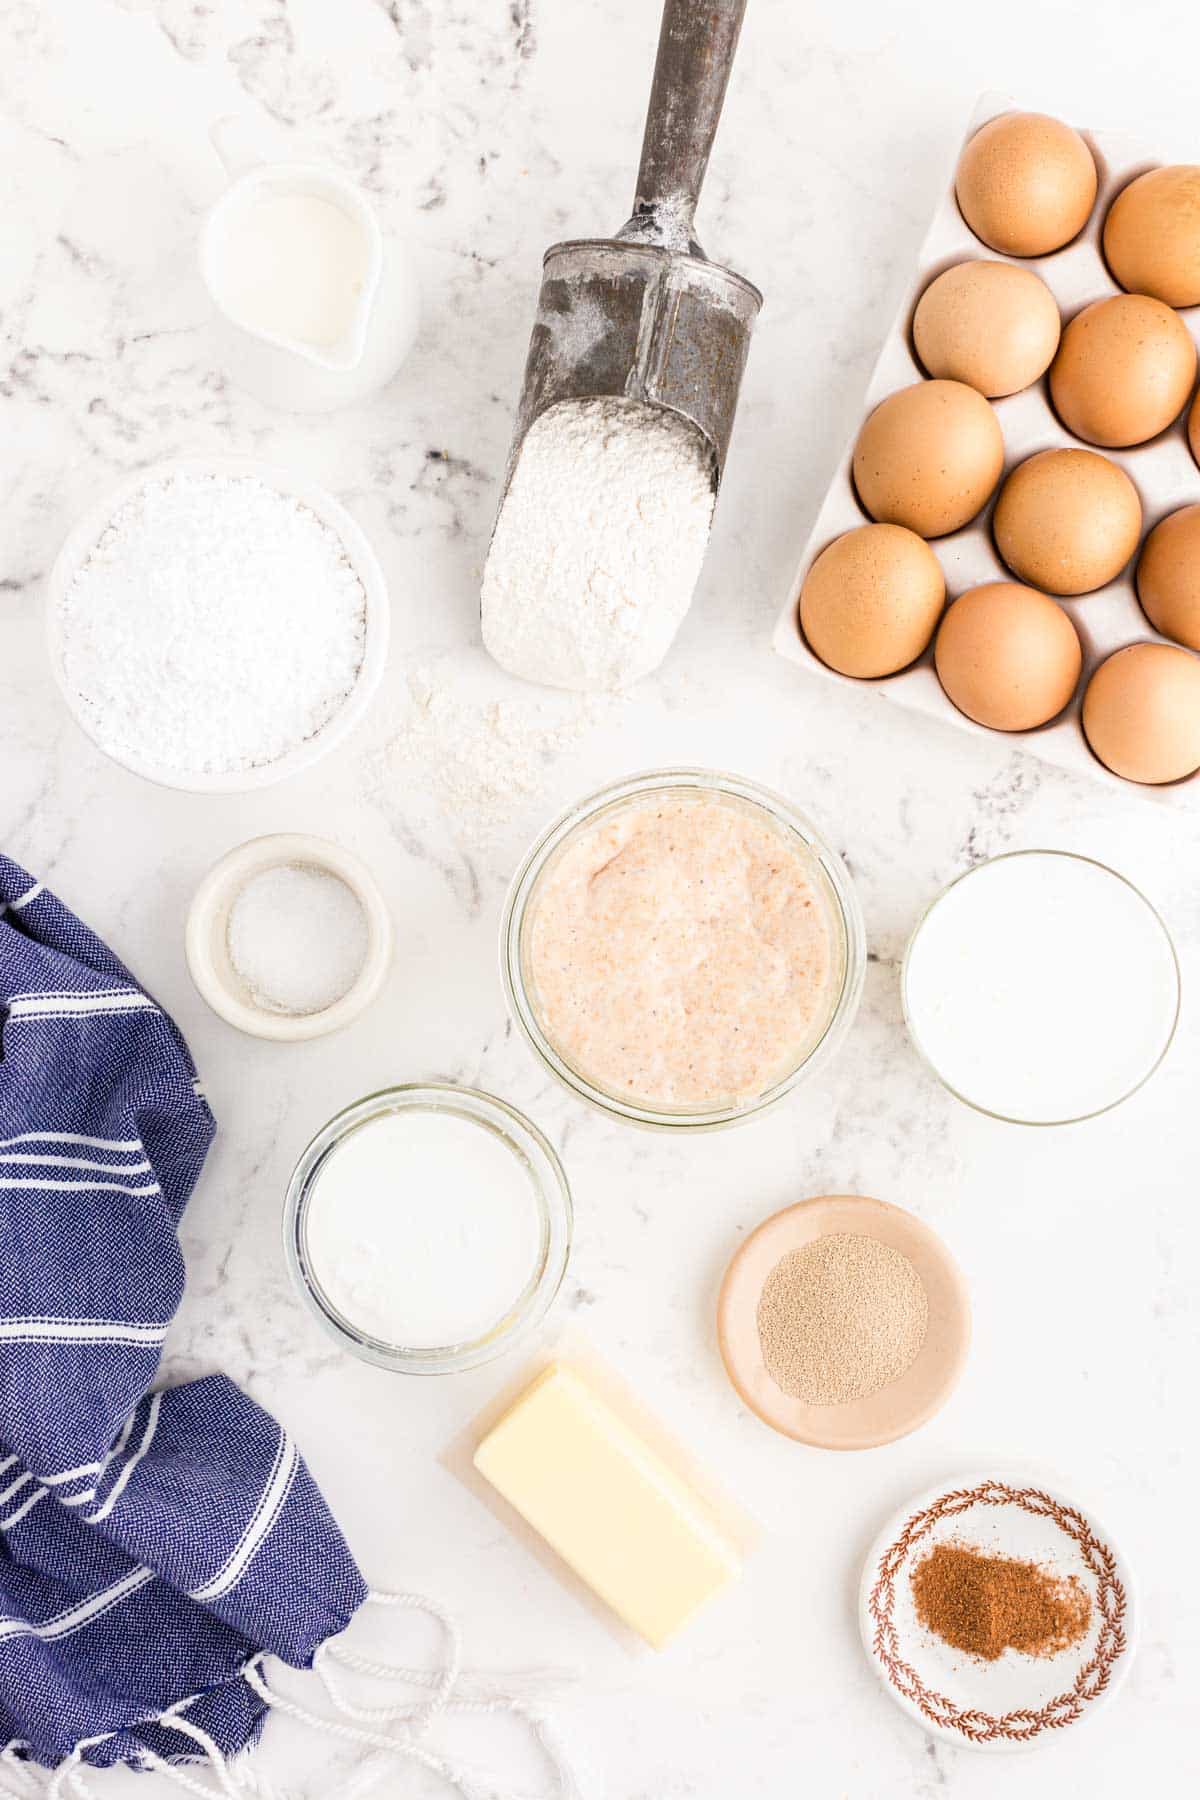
{"points": [[428, 1228]]}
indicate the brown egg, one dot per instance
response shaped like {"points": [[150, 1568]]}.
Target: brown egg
{"points": [[1026, 184], [1194, 428], [1152, 235], [929, 457], [871, 600], [990, 324], [1124, 370], [1141, 713], [1067, 520], [1007, 656], [1168, 576]]}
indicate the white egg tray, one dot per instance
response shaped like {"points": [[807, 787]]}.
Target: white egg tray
{"points": [[1164, 472]]}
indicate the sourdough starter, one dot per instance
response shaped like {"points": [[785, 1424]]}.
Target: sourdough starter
{"points": [[680, 953]]}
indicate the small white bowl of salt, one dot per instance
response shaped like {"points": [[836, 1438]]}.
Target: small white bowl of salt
{"points": [[288, 937]]}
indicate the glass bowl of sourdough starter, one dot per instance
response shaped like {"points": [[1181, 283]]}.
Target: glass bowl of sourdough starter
{"points": [[427, 1228], [682, 949]]}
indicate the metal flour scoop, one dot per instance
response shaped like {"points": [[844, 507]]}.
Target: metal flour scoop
{"points": [[645, 314]]}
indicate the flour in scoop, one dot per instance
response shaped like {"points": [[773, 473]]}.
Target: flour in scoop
{"points": [[598, 545], [423, 1229]]}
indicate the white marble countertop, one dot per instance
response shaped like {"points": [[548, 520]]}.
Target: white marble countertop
{"points": [[484, 130]]}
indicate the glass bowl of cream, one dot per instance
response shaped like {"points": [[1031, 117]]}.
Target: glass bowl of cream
{"points": [[428, 1227], [1041, 987], [682, 948]]}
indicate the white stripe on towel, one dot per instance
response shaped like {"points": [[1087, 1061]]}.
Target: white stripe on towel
{"points": [[79, 1187], [121, 987], [74, 1016], [79, 1331], [72, 1474], [14, 1487], [50, 1006], [8, 1157], [29, 894], [64, 1623], [79, 1006], [64, 1476], [95, 1468], [265, 1515], [126, 1433], [26, 1506], [118, 1486], [71, 1137]]}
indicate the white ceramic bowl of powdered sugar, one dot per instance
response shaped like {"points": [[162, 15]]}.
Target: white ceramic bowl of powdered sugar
{"points": [[217, 624]]}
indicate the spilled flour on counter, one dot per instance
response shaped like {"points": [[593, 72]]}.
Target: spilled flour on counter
{"points": [[481, 758], [598, 544]]}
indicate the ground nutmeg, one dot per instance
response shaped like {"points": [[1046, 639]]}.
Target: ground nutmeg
{"points": [[987, 1604]]}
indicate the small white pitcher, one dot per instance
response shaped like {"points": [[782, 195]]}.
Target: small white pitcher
{"points": [[283, 371]]}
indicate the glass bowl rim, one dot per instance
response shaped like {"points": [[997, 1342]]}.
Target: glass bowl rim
{"points": [[784, 812], [554, 1201], [990, 1112]]}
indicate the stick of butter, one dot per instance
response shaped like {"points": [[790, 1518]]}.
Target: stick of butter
{"points": [[608, 1504]]}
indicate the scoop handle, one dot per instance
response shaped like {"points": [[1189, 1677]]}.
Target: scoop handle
{"points": [[696, 46]]}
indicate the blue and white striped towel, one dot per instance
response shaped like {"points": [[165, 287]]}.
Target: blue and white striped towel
{"points": [[152, 1545]]}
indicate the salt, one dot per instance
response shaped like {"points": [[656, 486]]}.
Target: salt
{"points": [[216, 625], [297, 938]]}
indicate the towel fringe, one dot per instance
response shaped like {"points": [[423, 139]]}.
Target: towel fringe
{"points": [[18, 1775], [238, 1779]]}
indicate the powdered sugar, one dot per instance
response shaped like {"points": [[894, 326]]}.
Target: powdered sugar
{"points": [[598, 545], [216, 625]]}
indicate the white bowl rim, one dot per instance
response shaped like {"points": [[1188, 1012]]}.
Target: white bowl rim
{"points": [[218, 890], [82, 539]]}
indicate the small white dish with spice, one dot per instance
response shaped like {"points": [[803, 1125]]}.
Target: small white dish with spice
{"points": [[288, 937], [997, 1611]]}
